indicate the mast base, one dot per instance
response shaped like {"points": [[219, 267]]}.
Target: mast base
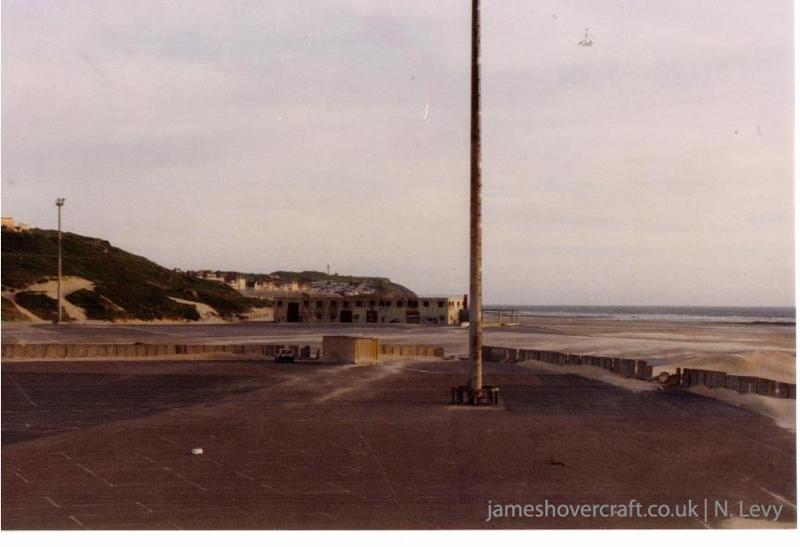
{"points": [[465, 395]]}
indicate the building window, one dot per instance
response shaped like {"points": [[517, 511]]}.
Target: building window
{"points": [[319, 317], [399, 303], [280, 303], [425, 303], [441, 317], [413, 304], [371, 303], [356, 317], [319, 304], [345, 305], [441, 303]]}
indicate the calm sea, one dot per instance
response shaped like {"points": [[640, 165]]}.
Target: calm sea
{"points": [[657, 313]]}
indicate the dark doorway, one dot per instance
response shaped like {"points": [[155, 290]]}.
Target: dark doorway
{"points": [[372, 316], [346, 316], [293, 312]]}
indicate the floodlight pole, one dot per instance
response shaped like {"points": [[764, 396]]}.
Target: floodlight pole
{"points": [[59, 205], [475, 261]]}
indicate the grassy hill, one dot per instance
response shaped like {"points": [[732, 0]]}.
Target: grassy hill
{"points": [[126, 286], [382, 286]]}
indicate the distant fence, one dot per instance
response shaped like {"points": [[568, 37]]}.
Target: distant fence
{"points": [[409, 350], [640, 370], [629, 368], [88, 351], [743, 384]]}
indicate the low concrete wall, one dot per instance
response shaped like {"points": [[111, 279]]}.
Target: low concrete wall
{"points": [[15, 352], [630, 368], [411, 350]]}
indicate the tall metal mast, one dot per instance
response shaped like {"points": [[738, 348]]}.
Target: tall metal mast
{"points": [[475, 259]]}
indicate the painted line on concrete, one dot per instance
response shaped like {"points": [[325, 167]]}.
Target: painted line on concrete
{"points": [[280, 492], [189, 481], [20, 475], [51, 502], [79, 523], [377, 462], [778, 497], [24, 393], [143, 506], [246, 476], [92, 473]]}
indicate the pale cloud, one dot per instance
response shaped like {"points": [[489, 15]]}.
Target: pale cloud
{"points": [[652, 168]]}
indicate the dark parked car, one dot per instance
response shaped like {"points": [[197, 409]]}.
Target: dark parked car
{"points": [[284, 355]]}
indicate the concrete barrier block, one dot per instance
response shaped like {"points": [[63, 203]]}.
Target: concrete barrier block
{"points": [[56, 351], [781, 390], [627, 367], [643, 370]]}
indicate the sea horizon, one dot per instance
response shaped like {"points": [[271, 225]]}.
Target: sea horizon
{"points": [[736, 314]]}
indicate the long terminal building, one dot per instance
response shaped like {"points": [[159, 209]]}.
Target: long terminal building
{"points": [[439, 310]]}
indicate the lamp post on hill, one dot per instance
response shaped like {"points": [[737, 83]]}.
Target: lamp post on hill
{"points": [[475, 391], [59, 205]]}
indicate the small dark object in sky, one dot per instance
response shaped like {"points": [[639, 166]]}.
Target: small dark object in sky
{"points": [[587, 40]]}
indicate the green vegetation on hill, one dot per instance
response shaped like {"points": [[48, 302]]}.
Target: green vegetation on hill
{"points": [[381, 285], [11, 313], [96, 306], [141, 288], [41, 305]]}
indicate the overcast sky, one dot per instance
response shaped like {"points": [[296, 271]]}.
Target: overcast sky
{"points": [[654, 167]]}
